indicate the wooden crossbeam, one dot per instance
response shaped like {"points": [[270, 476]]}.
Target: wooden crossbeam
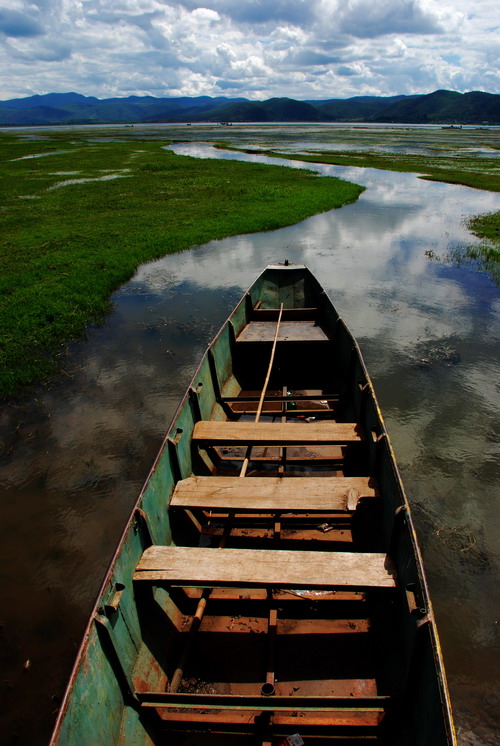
{"points": [[273, 493], [195, 566], [283, 596], [277, 433], [323, 460], [272, 398], [363, 719], [256, 702], [252, 625]]}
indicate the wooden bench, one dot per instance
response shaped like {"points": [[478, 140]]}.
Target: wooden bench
{"points": [[215, 568], [289, 331], [274, 494], [277, 433]]}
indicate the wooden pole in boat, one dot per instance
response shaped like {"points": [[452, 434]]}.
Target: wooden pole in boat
{"points": [[176, 679], [263, 392]]}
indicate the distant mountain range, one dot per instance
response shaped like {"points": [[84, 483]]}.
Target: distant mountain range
{"points": [[440, 107]]}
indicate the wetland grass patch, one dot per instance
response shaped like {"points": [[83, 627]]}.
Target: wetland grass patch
{"points": [[487, 227], [64, 250]]}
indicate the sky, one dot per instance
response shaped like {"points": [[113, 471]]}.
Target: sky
{"points": [[256, 49]]}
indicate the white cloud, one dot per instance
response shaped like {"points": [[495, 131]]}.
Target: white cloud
{"points": [[299, 48], [206, 14], [349, 70]]}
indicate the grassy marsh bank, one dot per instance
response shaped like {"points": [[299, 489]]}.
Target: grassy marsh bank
{"points": [[80, 215]]}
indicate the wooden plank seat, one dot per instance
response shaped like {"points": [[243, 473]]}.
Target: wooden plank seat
{"points": [[277, 433], [274, 568], [289, 331], [287, 314], [273, 494]]}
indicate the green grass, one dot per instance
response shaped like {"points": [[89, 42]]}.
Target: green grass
{"points": [[487, 226], [487, 254], [63, 251]]}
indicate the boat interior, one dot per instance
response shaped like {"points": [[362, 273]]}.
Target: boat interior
{"points": [[276, 590]]}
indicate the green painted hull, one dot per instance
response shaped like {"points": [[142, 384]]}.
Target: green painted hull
{"points": [[132, 642]]}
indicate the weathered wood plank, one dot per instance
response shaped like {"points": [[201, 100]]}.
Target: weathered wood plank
{"points": [[273, 493], [283, 596], [251, 625], [277, 703], [315, 395], [289, 314], [195, 566], [311, 535], [290, 331], [278, 433], [344, 718]]}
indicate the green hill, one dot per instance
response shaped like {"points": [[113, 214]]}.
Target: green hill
{"points": [[439, 107]]}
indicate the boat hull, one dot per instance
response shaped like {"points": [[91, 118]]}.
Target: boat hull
{"points": [[269, 581]]}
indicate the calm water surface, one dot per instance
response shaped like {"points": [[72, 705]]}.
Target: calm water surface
{"points": [[75, 455]]}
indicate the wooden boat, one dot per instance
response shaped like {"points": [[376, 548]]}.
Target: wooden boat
{"points": [[268, 588]]}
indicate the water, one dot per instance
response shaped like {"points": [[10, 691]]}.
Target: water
{"points": [[39, 155], [76, 454], [71, 182]]}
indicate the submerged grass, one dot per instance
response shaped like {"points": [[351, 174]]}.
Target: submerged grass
{"points": [[487, 227], [65, 247]]}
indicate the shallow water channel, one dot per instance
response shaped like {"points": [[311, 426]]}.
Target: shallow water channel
{"points": [[77, 453]]}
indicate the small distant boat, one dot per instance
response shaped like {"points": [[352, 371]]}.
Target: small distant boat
{"points": [[268, 588]]}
